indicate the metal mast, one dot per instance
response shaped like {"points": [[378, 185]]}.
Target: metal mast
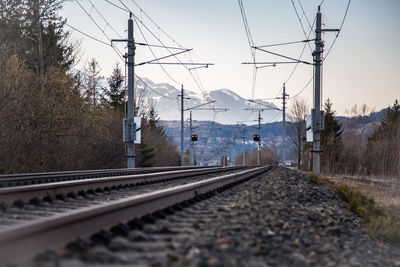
{"points": [[317, 115], [284, 95], [191, 142], [131, 96], [182, 131], [259, 140], [244, 146]]}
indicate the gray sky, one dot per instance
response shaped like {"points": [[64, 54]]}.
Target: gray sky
{"points": [[362, 66]]}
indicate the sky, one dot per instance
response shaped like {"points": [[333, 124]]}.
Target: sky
{"points": [[361, 68]]}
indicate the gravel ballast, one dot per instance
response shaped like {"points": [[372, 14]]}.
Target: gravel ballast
{"points": [[279, 218]]}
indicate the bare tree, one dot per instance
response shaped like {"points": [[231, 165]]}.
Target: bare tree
{"points": [[297, 129]]}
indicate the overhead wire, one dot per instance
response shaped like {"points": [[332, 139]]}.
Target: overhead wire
{"points": [[301, 54], [162, 43], [97, 25], [301, 24], [158, 27], [304, 14], [87, 35], [340, 29], [109, 44], [155, 57], [253, 54], [298, 93], [107, 24], [330, 48], [251, 44]]}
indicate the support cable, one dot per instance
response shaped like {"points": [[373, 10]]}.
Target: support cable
{"points": [[87, 35], [97, 25], [340, 29], [251, 44], [159, 40], [301, 24], [107, 44], [155, 57], [107, 24]]}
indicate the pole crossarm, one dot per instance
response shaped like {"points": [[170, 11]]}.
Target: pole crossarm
{"points": [[157, 59], [279, 55], [265, 105], [161, 46], [181, 63], [287, 43], [271, 63], [195, 68], [216, 109], [330, 30], [199, 105]]}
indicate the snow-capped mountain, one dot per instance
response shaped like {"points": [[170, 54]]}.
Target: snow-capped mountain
{"points": [[167, 104]]}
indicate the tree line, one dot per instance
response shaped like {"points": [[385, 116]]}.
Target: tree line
{"points": [[354, 146], [53, 117]]}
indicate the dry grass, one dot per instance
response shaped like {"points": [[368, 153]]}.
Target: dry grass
{"points": [[385, 191], [376, 200]]}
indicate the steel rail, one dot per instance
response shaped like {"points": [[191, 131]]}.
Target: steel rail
{"points": [[9, 180], [25, 193], [20, 243]]}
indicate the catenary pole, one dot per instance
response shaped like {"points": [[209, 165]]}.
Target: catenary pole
{"points": [[317, 93], [131, 95], [244, 145], [191, 141], [182, 130], [318, 124], [259, 140], [284, 95]]}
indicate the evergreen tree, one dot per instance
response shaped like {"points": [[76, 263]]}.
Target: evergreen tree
{"points": [[383, 147], [91, 82], [153, 121], [390, 122], [145, 156], [116, 93], [36, 33], [330, 138]]}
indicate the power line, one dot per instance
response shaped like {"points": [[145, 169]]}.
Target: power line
{"points": [[301, 24], [304, 14], [152, 89], [251, 44], [158, 27], [152, 52], [117, 6], [159, 40], [97, 25], [107, 24], [340, 29], [303, 88], [127, 9], [87, 35], [307, 37], [109, 44]]}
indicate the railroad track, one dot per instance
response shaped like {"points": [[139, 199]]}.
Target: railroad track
{"points": [[24, 203], [11, 180], [49, 191], [84, 222]]}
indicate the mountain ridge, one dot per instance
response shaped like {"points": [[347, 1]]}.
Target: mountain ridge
{"points": [[167, 105]]}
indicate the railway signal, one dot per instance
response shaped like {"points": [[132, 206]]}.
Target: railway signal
{"points": [[256, 137], [194, 137]]}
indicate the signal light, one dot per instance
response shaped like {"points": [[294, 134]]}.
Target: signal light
{"points": [[194, 137], [256, 137]]}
